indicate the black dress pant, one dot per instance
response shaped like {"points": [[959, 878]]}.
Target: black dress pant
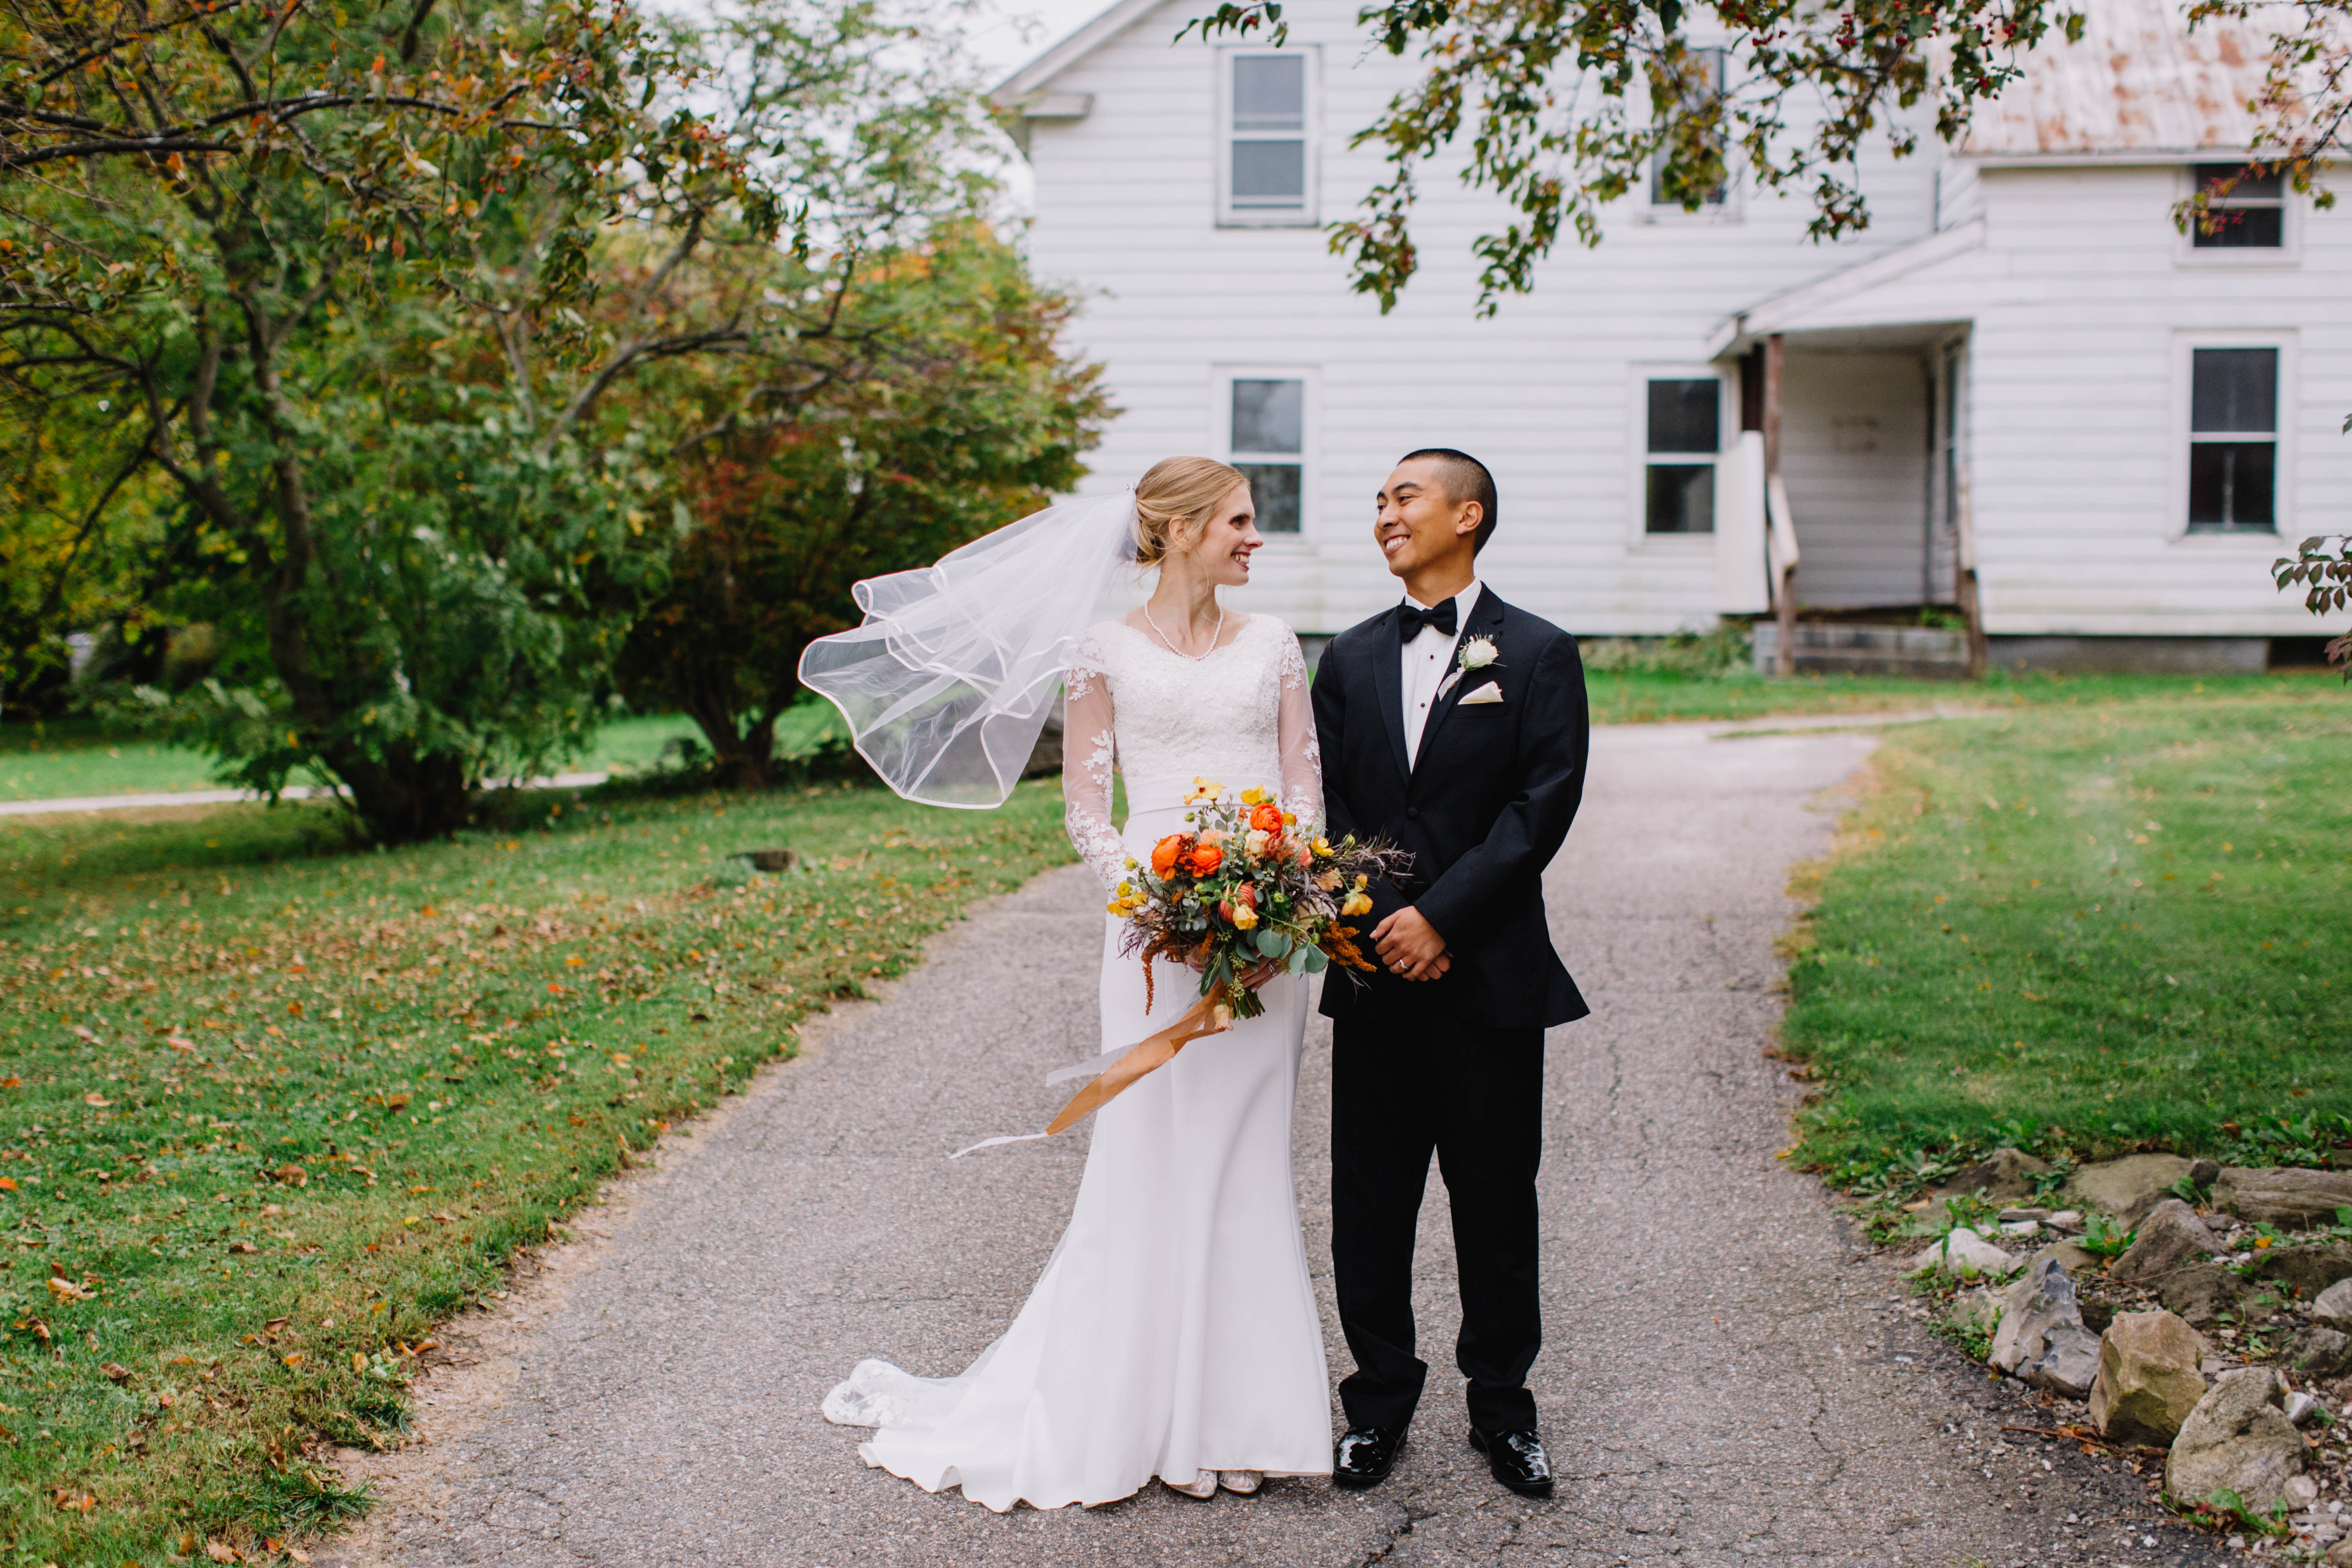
{"points": [[1404, 1087]]}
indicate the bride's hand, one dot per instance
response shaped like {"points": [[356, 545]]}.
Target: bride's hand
{"points": [[1260, 975]]}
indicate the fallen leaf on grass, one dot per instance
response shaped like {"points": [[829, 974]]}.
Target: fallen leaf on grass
{"points": [[116, 1372], [242, 1247], [96, 1098], [65, 1499], [222, 1551], [68, 1290]]}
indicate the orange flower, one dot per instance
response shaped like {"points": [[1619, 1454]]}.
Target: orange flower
{"points": [[1166, 853], [1266, 816], [1206, 859]]}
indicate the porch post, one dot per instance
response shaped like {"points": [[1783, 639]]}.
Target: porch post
{"points": [[1784, 579]]}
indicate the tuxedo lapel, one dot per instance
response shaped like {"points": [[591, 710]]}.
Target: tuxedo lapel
{"points": [[1485, 621], [1388, 684]]}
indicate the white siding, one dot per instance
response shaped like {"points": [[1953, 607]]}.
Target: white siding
{"points": [[1853, 449], [1125, 205], [2077, 464], [2072, 306]]}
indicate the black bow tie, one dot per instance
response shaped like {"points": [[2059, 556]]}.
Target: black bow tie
{"points": [[1411, 617]]}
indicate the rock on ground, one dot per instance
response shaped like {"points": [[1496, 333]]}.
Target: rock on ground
{"points": [[1963, 1251], [2000, 1176], [2238, 1439], [2201, 1292], [2288, 1197], [2333, 1306], [2041, 1301], [2170, 1237], [2147, 1382], [1729, 1375], [2116, 1185], [2320, 1352]]}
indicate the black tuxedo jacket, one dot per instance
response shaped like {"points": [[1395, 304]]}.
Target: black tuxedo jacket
{"points": [[1483, 810]]}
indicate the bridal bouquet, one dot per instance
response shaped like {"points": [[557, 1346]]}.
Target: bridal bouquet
{"points": [[1244, 890]]}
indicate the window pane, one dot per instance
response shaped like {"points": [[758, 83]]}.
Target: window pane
{"points": [[2242, 228], [1682, 498], [2251, 187], [2232, 485], [1273, 489], [1269, 173], [1270, 92], [1685, 416], [2233, 389], [1269, 416]]}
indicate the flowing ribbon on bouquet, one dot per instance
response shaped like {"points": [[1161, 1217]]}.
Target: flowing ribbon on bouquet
{"points": [[1206, 1017]]}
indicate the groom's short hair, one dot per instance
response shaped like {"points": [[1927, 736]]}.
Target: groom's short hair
{"points": [[1466, 479]]}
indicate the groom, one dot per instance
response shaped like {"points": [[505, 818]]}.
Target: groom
{"points": [[1455, 726]]}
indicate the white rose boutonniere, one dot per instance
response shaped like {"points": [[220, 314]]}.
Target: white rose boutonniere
{"points": [[1476, 654]]}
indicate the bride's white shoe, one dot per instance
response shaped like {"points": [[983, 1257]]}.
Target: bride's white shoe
{"points": [[1204, 1485], [1241, 1482]]}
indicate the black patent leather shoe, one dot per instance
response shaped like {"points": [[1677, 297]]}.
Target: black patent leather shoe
{"points": [[1364, 1456], [1517, 1459]]}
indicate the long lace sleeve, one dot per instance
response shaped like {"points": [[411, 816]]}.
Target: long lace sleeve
{"points": [[1302, 756], [1087, 753]]}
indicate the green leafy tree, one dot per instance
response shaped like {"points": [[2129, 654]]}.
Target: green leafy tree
{"points": [[376, 282], [940, 408], [1567, 103]]}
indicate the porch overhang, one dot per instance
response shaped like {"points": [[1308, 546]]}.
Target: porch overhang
{"points": [[1911, 297]]}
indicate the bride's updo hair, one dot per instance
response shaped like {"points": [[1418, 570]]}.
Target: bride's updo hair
{"points": [[1174, 501]]}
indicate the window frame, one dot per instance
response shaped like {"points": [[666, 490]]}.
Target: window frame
{"points": [[1221, 381], [2288, 406], [1308, 214], [2187, 252], [1637, 447], [1728, 209]]}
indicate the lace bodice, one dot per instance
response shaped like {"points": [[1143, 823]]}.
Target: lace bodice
{"points": [[1242, 716]]}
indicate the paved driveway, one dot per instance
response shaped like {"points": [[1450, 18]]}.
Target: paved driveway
{"points": [[1727, 1378]]}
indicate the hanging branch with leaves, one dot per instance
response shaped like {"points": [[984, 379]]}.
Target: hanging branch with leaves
{"points": [[1567, 105]]}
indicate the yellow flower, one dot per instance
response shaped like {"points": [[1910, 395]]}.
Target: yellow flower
{"points": [[1357, 903], [1245, 918], [1363, 879], [1323, 850], [1204, 789], [1126, 889], [1290, 819], [1252, 797]]}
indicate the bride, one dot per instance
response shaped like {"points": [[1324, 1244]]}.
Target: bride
{"points": [[1173, 1333]]}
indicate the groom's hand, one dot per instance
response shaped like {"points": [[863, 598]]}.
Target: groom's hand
{"points": [[1409, 945]]}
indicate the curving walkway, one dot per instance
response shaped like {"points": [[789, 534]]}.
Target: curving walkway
{"points": [[1727, 1378]]}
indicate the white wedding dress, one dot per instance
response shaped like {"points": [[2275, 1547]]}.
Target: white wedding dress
{"points": [[1173, 1332]]}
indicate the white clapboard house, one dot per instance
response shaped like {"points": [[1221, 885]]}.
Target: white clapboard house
{"points": [[2126, 424]]}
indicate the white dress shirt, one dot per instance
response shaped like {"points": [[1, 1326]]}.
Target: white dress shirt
{"points": [[1428, 660]]}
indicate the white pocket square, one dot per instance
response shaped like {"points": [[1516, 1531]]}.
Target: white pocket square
{"points": [[1490, 692]]}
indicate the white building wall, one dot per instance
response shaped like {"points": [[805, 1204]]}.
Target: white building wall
{"points": [[1545, 392], [2077, 407]]}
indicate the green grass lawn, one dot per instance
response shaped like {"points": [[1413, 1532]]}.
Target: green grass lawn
{"points": [[270, 1108], [2088, 930], [76, 757], [1661, 697]]}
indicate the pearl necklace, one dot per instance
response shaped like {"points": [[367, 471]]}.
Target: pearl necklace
{"points": [[1179, 653]]}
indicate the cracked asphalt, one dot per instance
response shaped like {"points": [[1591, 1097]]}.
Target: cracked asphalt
{"points": [[1728, 1377]]}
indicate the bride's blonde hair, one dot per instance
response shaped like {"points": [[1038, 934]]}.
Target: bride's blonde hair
{"points": [[1174, 501]]}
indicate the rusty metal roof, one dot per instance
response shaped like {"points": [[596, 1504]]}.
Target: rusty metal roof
{"points": [[2139, 82]]}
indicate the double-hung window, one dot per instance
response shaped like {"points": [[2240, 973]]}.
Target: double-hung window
{"points": [[1267, 443], [1685, 420], [1267, 151], [2234, 440], [1701, 88], [2244, 211]]}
